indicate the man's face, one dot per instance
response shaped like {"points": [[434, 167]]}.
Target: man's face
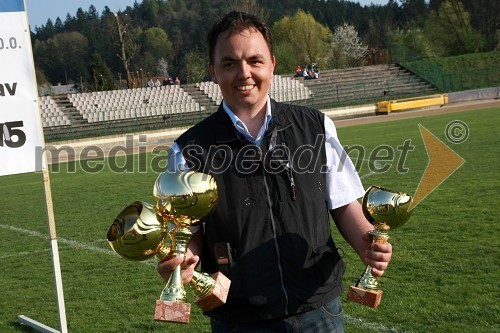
{"points": [[243, 67]]}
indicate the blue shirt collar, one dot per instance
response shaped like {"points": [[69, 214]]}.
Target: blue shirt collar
{"points": [[241, 127]]}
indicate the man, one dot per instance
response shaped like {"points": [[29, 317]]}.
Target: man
{"points": [[280, 169]]}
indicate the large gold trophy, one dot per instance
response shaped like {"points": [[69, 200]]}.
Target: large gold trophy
{"points": [[184, 198], [386, 209], [142, 231]]}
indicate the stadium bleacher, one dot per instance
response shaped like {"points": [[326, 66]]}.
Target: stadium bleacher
{"points": [[75, 115], [133, 103], [51, 113], [283, 89]]}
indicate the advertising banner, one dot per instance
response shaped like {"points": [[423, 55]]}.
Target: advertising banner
{"points": [[21, 137]]}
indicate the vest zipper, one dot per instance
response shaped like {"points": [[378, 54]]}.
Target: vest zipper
{"points": [[293, 188], [273, 224]]}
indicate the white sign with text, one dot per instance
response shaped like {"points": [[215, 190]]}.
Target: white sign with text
{"points": [[21, 137]]}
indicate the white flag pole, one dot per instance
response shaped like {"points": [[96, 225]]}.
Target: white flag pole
{"points": [[55, 249]]}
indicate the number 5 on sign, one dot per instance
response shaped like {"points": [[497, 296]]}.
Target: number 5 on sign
{"points": [[10, 130]]}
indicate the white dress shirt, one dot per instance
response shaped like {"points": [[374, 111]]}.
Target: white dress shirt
{"points": [[343, 185]]}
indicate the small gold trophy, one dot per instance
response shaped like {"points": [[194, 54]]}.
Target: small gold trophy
{"points": [[139, 233], [385, 209], [184, 198]]}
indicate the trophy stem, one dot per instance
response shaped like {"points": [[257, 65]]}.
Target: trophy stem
{"points": [[379, 235], [172, 305], [174, 290], [202, 284], [367, 280], [180, 239]]}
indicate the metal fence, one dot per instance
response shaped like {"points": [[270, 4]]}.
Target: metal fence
{"points": [[446, 80]]}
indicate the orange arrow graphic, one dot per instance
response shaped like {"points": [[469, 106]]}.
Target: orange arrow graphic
{"points": [[443, 162]]}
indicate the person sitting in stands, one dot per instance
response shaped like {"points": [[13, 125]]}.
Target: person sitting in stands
{"points": [[298, 71], [305, 75]]}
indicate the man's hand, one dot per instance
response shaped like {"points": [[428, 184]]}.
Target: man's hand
{"points": [[376, 255], [166, 267], [355, 228]]}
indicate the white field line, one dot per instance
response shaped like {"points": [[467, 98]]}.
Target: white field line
{"points": [[372, 327], [350, 319], [24, 253], [74, 244], [371, 173]]}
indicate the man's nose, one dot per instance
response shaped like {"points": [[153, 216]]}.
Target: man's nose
{"points": [[244, 70]]}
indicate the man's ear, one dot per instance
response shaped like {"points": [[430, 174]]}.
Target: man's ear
{"points": [[212, 73]]}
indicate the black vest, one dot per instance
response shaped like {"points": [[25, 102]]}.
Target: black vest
{"points": [[271, 210]]}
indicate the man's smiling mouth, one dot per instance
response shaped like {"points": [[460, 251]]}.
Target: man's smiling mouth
{"points": [[245, 88]]}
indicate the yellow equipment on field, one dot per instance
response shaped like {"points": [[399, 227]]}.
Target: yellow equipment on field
{"points": [[411, 103]]}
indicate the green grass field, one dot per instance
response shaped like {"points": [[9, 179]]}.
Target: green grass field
{"points": [[443, 276]]}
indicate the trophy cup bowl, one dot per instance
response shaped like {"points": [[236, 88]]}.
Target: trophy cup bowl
{"points": [[381, 205], [184, 198], [386, 209], [137, 234]]}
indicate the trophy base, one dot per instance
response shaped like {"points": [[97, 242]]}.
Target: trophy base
{"points": [[175, 312], [369, 298], [217, 296]]}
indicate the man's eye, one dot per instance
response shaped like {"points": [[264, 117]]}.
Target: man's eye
{"points": [[227, 65]]}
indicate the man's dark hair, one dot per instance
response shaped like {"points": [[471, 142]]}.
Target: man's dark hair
{"points": [[236, 22]]}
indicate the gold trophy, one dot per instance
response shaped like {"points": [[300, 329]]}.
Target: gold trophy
{"points": [[139, 233], [385, 209], [184, 198]]}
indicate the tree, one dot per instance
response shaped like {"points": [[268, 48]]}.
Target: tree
{"points": [[413, 40], [286, 59], [149, 11], [195, 69], [102, 78], [451, 32], [162, 67], [249, 6], [64, 57], [156, 42], [414, 11], [310, 39], [127, 47], [347, 47], [46, 31], [485, 17]]}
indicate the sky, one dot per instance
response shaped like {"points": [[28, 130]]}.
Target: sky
{"points": [[41, 10]]}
